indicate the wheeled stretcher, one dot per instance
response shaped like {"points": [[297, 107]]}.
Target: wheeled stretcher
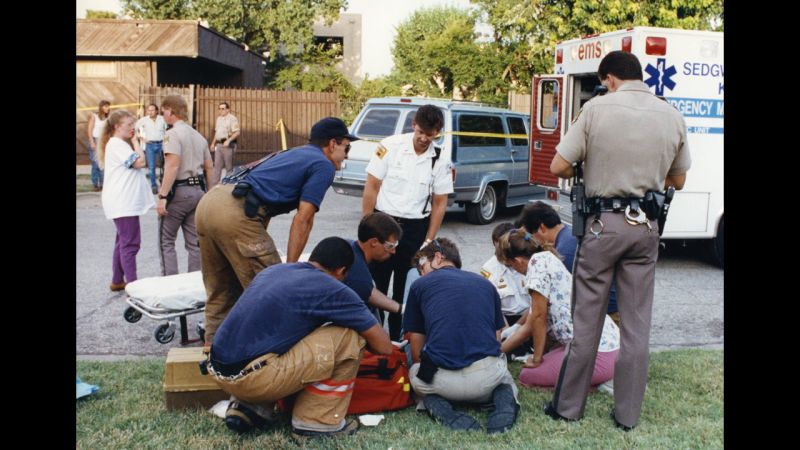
{"points": [[167, 298]]}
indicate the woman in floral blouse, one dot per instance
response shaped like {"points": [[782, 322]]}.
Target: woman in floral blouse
{"points": [[550, 285]]}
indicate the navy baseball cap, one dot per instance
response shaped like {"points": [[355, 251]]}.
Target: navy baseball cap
{"points": [[329, 128]]}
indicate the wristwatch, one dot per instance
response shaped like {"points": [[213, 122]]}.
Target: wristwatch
{"points": [[162, 197]]}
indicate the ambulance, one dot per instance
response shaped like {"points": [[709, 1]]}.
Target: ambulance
{"points": [[684, 67]]}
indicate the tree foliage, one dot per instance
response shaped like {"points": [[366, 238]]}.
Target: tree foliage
{"points": [[157, 9], [97, 14]]}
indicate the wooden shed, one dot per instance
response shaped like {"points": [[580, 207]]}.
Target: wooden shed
{"points": [[115, 57]]}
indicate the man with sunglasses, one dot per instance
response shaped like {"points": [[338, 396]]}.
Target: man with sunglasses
{"points": [[223, 143], [235, 245], [454, 319], [378, 238], [407, 180]]}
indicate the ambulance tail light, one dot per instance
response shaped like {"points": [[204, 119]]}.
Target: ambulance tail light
{"points": [[559, 56], [655, 46], [626, 44], [552, 195]]}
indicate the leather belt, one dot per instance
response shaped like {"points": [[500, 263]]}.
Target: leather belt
{"points": [[402, 220]]}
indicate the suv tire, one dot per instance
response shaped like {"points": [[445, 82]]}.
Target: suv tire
{"points": [[717, 246], [485, 209]]}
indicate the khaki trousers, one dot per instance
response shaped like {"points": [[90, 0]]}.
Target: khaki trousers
{"points": [[629, 252], [321, 367], [233, 249], [473, 383]]}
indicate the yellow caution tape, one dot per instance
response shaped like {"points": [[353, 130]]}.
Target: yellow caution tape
{"points": [[88, 108], [471, 134]]}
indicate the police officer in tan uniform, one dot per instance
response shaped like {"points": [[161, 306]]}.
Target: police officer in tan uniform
{"points": [[407, 179], [630, 142], [186, 159], [223, 144]]}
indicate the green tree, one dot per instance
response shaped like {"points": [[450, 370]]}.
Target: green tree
{"points": [[97, 14], [157, 9]]}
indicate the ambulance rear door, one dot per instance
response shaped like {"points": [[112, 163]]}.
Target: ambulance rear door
{"points": [[547, 100]]}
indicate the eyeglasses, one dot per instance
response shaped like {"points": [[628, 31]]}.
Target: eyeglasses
{"points": [[346, 149], [389, 246]]}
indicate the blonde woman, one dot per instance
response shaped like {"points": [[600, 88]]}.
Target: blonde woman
{"points": [[126, 195], [94, 129], [550, 285]]}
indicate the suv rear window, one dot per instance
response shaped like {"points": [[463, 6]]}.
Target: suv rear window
{"points": [[516, 126], [378, 122], [480, 124]]}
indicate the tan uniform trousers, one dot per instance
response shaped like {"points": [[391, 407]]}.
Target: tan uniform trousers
{"points": [[233, 249], [321, 367], [474, 383], [629, 253]]}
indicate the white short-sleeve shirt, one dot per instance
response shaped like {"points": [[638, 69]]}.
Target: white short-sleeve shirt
{"points": [[126, 191], [548, 276], [510, 285], [407, 178]]}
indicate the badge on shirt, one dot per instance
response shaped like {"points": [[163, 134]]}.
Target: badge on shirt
{"points": [[501, 283], [381, 151], [485, 273]]}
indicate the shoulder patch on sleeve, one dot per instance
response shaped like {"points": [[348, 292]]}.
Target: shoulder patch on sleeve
{"points": [[485, 273], [381, 151]]}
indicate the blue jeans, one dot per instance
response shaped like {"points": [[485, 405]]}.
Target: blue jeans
{"points": [[151, 151], [97, 173]]}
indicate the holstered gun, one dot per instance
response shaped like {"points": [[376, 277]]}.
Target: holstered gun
{"points": [[578, 198], [662, 218]]}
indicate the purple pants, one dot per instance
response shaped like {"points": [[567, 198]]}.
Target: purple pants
{"points": [[546, 374], [126, 246]]}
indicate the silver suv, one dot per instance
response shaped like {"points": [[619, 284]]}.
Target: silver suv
{"points": [[489, 171]]}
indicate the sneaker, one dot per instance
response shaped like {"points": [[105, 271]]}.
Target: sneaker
{"points": [[607, 387], [242, 419], [350, 427], [502, 418], [155, 190], [442, 411]]}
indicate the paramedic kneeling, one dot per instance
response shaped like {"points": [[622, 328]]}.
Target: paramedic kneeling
{"points": [[274, 343], [454, 319]]}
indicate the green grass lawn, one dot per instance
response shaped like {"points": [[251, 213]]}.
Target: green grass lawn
{"points": [[683, 408]]}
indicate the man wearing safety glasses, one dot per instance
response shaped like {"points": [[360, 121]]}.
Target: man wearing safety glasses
{"points": [[378, 238]]}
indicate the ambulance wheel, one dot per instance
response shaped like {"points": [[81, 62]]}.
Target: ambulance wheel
{"points": [[132, 315], [484, 211], [717, 246], [164, 334]]}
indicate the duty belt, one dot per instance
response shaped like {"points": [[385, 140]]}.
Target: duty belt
{"points": [[615, 204], [191, 181], [401, 220]]}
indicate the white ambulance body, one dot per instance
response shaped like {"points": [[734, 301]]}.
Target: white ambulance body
{"points": [[683, 66]]}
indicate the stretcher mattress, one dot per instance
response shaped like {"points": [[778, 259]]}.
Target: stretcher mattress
{"points": [[174, 292]]}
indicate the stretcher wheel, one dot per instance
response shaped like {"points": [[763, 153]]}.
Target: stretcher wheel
{"points": [[132, 315], [164, 334]]}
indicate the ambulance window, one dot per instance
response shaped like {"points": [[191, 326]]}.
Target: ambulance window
{"points": [[548, 104], [379, 123], [480, 124], [516, 126]]}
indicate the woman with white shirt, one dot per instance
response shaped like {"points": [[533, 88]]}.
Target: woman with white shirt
{"points": [[126, 194], [94, 130], [550, 285]]}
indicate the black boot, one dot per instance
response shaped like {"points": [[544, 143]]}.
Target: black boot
{"points": [[502, 418], [442, 411]]}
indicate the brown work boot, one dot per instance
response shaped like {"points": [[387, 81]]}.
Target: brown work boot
{"points": [[115, 287]]}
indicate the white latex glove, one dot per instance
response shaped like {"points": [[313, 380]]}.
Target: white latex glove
{"points": [[509, 331]]}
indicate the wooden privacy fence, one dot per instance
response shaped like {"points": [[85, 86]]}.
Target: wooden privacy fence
{"points": [[519, 102], [259, 111]]}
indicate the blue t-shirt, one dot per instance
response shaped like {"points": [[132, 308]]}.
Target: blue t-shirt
{"points": [[459, 314], [283, 304], [566, 245], [303, 173], [358, 277]]}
